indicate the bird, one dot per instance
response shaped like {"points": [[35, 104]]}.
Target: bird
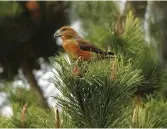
{"points": [[77, 47]]}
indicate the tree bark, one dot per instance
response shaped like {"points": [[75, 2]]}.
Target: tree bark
{"points": [[28, 73]]}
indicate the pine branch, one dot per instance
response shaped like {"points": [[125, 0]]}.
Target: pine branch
{"points": [[151, 115], [88, 99]]}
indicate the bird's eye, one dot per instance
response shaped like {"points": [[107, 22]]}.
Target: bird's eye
{"points": [[64, 29]]}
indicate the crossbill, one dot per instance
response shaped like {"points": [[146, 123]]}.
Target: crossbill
{"points": [[78, 47]]}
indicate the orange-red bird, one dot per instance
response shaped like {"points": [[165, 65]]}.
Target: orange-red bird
{"points": [[78, 47]]}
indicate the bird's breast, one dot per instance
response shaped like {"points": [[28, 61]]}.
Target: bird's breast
{"points": [[70, 46], [74, 50]]}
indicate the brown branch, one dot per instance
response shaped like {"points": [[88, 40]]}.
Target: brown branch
{"points": [[57, 119], [23, 114], [34, 84]]}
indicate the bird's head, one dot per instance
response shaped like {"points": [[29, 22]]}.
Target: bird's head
{"points": [[65, 32]]}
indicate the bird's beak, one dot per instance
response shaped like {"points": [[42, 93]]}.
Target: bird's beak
{"points": [[57, 34]]}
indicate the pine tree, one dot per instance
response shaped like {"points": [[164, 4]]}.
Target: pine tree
{"points": [[104, 93], [137, 71]]}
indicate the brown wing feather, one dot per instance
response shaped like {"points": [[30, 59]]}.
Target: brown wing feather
{"points": [[85, 45]]}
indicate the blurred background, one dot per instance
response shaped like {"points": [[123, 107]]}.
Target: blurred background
{"points": [[26, 40]]}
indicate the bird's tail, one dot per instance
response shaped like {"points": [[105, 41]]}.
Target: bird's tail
{"points": [[107, 55]]}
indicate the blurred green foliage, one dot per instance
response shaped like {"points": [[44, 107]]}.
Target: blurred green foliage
{"points": [[10, 8]]}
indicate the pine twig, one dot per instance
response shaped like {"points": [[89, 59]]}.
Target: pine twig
{"points": [[120, 25], [76, 70], [139, 100], [57, 119], [136, 109], [23, 113], [114, 69]]}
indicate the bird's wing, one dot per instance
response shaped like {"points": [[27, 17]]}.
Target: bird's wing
{"points": [[87, 46]]}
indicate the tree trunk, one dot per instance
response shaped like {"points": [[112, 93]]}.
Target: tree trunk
{"points": [[157, 27], [34, 85], [137, 7]]}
